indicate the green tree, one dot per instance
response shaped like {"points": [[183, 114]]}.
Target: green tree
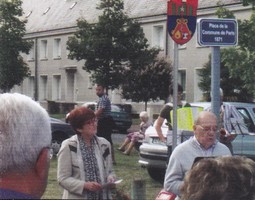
{"points": [[233, 86], [237, 63], [222, 12], [110, 45], [13, 69], [248, 2], [148, 83]]}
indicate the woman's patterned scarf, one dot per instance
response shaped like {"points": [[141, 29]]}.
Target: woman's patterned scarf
{"points": [[90, 166]]}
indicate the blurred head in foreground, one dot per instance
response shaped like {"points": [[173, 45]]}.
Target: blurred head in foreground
{"points": [[222, 178], [25, 138]]}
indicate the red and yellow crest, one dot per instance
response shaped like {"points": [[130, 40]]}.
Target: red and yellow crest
{"points": [[181, 19]]}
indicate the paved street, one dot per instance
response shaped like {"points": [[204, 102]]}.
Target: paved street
{"points": [[119, 138]]}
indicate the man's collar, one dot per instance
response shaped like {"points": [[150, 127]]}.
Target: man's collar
{"points": [[196, 141]]}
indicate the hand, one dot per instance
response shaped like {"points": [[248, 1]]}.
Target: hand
{"points": [[162, 139], [226, 137], [110, 182], [111, 179], [92, 186]]}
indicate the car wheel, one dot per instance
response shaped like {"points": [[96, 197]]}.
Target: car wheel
{"points": [[156, 174], [55, 145], [137, 145], [57, 138]]}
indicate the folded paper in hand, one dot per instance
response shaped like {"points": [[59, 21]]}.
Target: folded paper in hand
{"points": [[111, 184]]}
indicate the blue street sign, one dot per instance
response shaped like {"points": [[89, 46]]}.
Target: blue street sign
{"points": [[217, 32]]}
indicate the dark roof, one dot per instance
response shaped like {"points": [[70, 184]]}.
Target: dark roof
{"points": [[60, 13]]}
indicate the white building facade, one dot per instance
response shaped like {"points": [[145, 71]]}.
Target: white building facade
{"points": [[54, 77]]}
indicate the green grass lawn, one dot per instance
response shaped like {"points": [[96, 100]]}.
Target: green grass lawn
{"points": [[127, 168]]}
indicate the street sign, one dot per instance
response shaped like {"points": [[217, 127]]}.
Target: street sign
{"points": [[181, 19], [217, 32], [181, 24]]}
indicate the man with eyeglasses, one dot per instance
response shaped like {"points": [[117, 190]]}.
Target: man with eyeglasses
{"points": [[202, 144]]}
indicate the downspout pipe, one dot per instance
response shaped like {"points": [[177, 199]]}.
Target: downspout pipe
{"points": [[36, 71]]}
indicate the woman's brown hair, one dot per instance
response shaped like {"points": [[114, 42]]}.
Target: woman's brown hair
{"points": [[79, 116]]}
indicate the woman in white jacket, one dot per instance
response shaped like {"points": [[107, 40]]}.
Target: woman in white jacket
{"points": [[84, 160]]}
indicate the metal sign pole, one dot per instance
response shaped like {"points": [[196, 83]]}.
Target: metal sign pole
{"points": [[181, 24], [216, 33], [215, 81], [175, 94]]}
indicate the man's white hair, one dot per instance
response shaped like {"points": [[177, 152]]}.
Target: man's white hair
{"points": [[24, 131]]}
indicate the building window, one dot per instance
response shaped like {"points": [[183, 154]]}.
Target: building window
{"points": [[158, 37], [70, 86], [68, 51], [90, 83], [43, 49], [31, 55], [28, 14], [57, 48], [43, 88], [182, 81], [56, 87], [72, 6], [47, 10], [31, 86], [198, 94]]}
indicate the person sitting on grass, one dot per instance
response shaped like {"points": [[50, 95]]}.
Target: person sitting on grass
{"points": [[133, 137]]}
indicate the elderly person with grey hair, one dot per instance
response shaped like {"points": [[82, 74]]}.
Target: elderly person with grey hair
{"points": [[25, 138], [202, 144], [133, 137]]}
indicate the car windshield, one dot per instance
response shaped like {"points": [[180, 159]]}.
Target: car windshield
{"points": [[247, 119]]}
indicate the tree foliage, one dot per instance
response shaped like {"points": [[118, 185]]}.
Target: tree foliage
{"points": [[110, 45], [249, 2], [13, 69], [237, 63], [232, 85], [148, 83], [222, 12]]}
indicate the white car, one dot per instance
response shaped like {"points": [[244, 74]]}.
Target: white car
{"points": [[153, 153]]}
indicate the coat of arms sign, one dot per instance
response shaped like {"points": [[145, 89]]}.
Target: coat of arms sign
{"points": [[181, 19]]}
